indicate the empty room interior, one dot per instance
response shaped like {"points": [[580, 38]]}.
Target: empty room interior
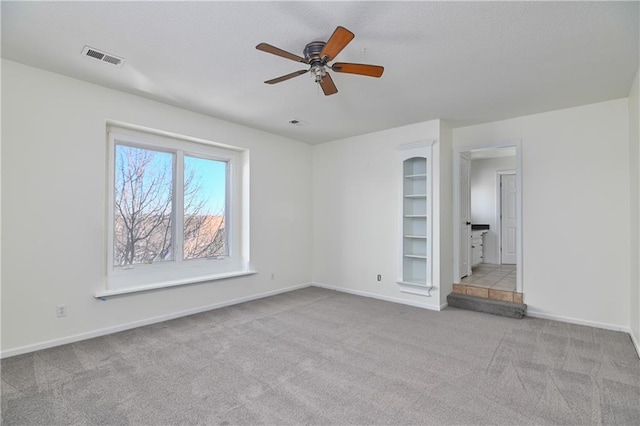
{"points": [[320, 212]]}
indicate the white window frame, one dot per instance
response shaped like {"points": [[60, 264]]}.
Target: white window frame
{"points": [[143, 277]]}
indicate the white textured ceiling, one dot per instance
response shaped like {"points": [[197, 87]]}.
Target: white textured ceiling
{"points": [[465, 62]]}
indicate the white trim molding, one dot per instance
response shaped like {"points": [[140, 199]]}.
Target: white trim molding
{"points": [[635, 341], [380, 297], [410, 220], [115, 329], [517, 143], [577, 321], [122, 327], [587, 323], [176, 269], [101, 294]]}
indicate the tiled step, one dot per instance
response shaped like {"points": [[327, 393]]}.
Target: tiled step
{"points": [[489, 306], [488, 292]]}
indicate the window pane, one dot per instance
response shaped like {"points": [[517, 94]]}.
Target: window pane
{"points": [[205, 187], [143, 206]]}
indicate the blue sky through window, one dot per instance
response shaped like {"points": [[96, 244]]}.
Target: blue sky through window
{"points": [[210, 177]]}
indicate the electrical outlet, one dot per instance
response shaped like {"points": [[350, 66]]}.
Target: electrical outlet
{"points": [[61, 311]]}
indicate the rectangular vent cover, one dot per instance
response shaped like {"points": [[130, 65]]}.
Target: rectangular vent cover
{"points": [[102, 56]]}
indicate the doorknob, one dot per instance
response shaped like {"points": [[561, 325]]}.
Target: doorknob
{"points": [[468, 223]]}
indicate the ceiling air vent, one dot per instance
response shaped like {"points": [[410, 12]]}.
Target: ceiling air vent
{"points": [[102, 56]]}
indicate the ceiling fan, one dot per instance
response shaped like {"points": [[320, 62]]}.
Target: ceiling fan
{"points": [[317, 54]]}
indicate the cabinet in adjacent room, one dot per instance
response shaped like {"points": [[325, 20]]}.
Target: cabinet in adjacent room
{"points": [[477, 247]]}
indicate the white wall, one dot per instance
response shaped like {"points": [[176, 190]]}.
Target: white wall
{"points": [[53, 208], [443, 220], [356, 235], [575, 195], [634, 163], [578, 211], [484, 199]]}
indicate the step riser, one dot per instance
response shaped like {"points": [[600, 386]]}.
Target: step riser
{"points": [[488, 293], [489, 306]]}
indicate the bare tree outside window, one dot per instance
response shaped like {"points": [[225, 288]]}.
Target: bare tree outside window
{"points": [[143, 206], [204, 208], [144, 202]]}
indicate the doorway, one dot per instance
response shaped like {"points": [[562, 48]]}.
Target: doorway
{"points": [[490, 218]]}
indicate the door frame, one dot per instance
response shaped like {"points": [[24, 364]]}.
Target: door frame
{"points": [[499, 175], [457, 151]]}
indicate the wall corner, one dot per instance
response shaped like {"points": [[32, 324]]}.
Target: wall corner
{"points": [[443, 209]]}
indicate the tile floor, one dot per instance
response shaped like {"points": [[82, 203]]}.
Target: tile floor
{"points": [[496, 277]]}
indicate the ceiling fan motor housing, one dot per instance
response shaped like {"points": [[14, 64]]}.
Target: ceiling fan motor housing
{"points": [[312, 54]]}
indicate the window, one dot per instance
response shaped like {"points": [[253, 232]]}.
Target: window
{"points": [[143, 206], [175, 211], [204, 208]]}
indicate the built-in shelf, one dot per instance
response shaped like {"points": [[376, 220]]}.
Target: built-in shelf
{"points": [[415, 259]]}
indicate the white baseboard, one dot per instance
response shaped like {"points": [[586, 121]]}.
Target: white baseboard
{"points": [[596, 324], [380, 297], [122, 327], [635, 341]]}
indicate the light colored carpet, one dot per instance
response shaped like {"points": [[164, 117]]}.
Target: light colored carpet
{"points": [[315, 356]]}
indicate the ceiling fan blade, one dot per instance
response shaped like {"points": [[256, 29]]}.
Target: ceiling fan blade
{"points": [[286, 77], [360, 69], [338, 40], [279, 52], [328, 86]]}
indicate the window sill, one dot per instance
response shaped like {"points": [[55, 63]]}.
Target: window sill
{"points": [[174, 283]]}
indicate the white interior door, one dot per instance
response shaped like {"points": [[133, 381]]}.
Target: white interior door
{"points": [[465, 217], [508, 218]]}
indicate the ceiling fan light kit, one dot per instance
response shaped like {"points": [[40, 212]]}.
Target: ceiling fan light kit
{"points": [[317, 55]]}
